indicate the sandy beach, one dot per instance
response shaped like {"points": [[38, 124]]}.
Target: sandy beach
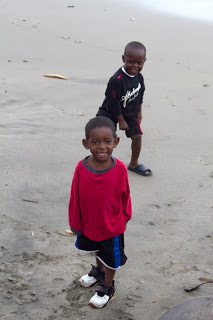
{"points": [[169, 240]]}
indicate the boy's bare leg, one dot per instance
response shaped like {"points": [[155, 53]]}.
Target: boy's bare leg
{"points": [[101, 266], [136, 149], [109, 275]]}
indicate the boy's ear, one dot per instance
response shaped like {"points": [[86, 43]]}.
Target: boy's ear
{"points": [[123, 58], [116, 142], [85, 144]]}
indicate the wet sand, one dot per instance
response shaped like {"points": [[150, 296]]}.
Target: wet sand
{"points": [[169, 240]]}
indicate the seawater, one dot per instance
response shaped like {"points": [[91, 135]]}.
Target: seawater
{"points": [[193, 9]]}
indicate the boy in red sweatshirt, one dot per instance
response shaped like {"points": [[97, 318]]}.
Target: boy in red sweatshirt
{"points": [[100, 207]]}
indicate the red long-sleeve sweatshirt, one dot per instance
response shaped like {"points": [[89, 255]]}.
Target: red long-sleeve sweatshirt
{"points": [[100, 203]]}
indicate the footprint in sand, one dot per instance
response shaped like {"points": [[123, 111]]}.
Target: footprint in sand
{"points": [[58, 282], [133, 299], [156, 206], [122, 315], [26, 298], [3, 251], [77, 298], [15, 278]]}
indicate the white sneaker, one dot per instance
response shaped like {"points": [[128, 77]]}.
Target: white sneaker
{"points": [[103, 295], [87, 281], [92, 277]]}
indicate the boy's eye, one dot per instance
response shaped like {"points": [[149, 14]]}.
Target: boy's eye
{"points": [[140, 63]]}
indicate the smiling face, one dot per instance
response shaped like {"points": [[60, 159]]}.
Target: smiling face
{"points": [[134, 59], [101, 143]]}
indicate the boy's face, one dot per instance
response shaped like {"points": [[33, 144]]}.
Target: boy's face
{"points": [[101, 143], [134, 60]]}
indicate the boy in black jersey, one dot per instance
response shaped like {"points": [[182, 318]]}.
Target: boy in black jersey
{"points": [[123, 101]]}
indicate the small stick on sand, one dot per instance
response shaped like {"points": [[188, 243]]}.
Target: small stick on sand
{"points": [[29, 200], [58, 76]]}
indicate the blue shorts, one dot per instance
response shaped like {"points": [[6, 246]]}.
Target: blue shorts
{"points": [[110, 251]]}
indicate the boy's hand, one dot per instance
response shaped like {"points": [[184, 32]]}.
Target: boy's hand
{"points": [[126, 224], [139, 117], [123, 125], [76, 232]]}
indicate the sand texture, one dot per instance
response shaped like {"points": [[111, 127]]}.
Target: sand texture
{"points": [[169, 240]]}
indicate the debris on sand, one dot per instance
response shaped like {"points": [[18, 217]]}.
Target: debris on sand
{"points": [[205, 85], [58, 76], [205, 281], [29, 200], [69, 231]]}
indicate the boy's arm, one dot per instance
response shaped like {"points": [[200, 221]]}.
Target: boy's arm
{"points": [[126, 200], [122, 123], [74, 213], [114, 93], [139, 116]]}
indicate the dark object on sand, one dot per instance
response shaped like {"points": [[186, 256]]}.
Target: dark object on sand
{"points": [[29, 200], [70, 6], [195, 309], [206, 280]]}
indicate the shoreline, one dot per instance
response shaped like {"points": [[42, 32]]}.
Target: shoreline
{"points": [[192, 11]]}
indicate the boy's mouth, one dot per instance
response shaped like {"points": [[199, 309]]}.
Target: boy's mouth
{"points": [[102, 154], [134, 70]]}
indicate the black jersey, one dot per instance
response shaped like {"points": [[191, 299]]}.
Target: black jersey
{"points": [[123, 95]]}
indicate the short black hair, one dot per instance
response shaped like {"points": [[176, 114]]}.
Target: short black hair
{"points": [[134, 45], [99, 121]]}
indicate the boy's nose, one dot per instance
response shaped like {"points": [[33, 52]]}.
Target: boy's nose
{"points": [[102, 145]]}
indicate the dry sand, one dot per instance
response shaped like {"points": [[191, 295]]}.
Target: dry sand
{"points": [[169, 240]]}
